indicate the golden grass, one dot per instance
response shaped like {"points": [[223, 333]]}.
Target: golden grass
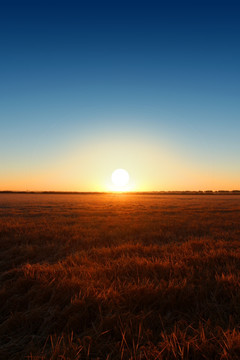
{"points": [[119, 277]]}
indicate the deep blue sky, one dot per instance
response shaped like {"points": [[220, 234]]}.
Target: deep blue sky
{"points": [[164, 75]]}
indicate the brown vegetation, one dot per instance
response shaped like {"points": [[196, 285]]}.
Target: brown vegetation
{"points": [[119, 277]]}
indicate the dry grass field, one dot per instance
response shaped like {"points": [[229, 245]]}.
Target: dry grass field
{"points": [[119, 276]]}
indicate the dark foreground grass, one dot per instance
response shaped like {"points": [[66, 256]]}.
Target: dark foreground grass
{"points": [[119, 277]]}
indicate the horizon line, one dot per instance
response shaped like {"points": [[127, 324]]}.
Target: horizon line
{"points": [[151, 192]]}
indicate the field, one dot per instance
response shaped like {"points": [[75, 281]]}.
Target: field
{"points": [[119, 276]]}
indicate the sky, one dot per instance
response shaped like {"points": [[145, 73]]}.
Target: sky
{"points": [[87, 87]]}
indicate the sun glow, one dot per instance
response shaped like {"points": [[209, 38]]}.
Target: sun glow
{"points": [[120, 180], [120, 177]]}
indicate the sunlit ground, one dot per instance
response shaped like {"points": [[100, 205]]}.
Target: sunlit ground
{"points": [[119, 276]]}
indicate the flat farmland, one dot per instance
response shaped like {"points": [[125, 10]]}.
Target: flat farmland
{"points": [[119, 276]]}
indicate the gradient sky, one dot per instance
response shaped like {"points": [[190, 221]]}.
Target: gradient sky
{"points": [[90, 86]]}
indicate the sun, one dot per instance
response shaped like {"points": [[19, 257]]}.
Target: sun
{"points": [[120, 177]]}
